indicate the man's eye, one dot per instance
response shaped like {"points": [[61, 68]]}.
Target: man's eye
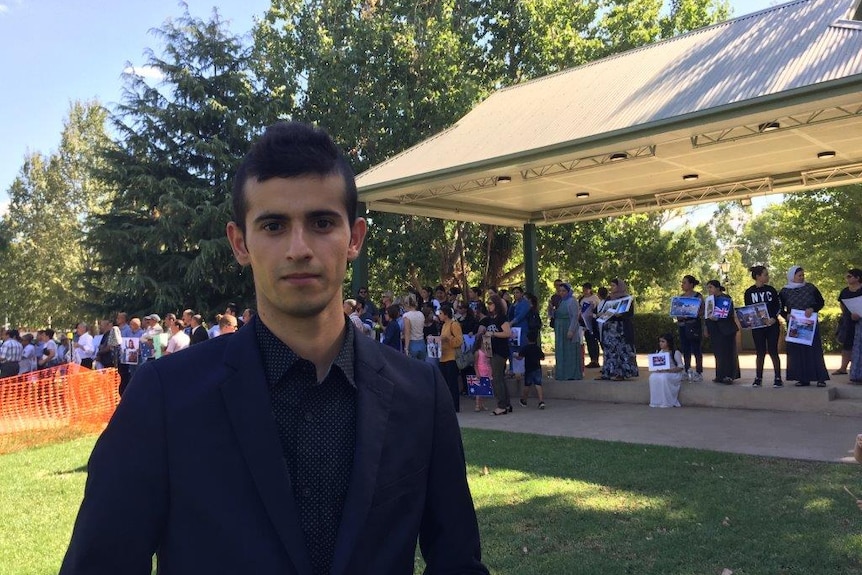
{"points": [[323, 224], [272, 227]]}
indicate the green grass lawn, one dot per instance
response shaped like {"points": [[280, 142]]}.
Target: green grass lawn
{"points": [[555, 506]]}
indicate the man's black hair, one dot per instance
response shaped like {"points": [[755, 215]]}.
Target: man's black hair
{"points": [[289, 150]]}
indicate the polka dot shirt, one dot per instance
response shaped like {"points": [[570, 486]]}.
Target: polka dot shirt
{"points": [[316, 424]]}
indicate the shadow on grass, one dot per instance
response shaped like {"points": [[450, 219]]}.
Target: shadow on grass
{"points": [[81, 469], [562, 505]]}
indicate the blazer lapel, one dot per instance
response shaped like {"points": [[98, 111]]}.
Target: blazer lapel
{"points": [[374, 399], [250, 412]]}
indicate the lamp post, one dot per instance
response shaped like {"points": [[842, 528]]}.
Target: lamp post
{"points": [[724, 266]]}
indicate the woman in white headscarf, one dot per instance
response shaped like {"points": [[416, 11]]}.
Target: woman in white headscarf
{"points": [[805, 363]]}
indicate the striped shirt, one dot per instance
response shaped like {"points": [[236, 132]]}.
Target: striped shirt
{"points": [[11, 350]]}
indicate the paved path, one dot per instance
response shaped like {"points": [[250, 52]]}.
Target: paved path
{"points": [[778, 434]]}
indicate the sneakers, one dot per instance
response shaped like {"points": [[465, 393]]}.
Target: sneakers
{"points": [[695, 377], [523, 402], [541, 405], [757, 382], [778, 382]]}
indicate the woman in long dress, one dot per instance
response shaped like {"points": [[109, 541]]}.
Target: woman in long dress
{"points": [[664, 384], [618, 338], [722, 333], [567, 338], [805, 363]]}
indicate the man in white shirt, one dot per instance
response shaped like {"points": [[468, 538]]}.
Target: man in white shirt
{"points": [[179, 338], [10, 353], [83, 350], [28, 357]]}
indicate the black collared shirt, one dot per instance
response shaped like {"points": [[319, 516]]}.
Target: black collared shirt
{"points": [[317, 427]]}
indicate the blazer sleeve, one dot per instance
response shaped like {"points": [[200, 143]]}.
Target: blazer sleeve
{"points": [[119, 524], [449, 533]]}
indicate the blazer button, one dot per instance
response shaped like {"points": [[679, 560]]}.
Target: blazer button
{"points": [[309, 417], [306, 492]]}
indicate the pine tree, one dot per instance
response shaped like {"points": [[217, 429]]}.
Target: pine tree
{"points": [[161, 246]]}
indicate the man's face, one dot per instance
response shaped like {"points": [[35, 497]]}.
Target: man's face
{"points": [[187, 318], [121, 319], [440, 295], [298, 241], [80, 329], [517, 294], [363, 292]]}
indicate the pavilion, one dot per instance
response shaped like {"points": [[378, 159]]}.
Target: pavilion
{"points": [[766, 103]]}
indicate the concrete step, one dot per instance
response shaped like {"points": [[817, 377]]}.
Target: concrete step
{"points": [[706, 394], [846, 407], [846, 390]]}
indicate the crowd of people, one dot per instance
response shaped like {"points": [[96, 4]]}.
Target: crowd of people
{"points": [[798, 300], [105, 343]]}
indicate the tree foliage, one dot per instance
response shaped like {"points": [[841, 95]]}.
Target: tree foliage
{"points": [[46, 241], [161, 245], [812, 229]]}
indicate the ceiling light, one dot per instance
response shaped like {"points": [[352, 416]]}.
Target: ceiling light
{"points": [[616, 157], [768, 126], [582, 195], [690, 177], [745, 202], [504, 179], [826, 155]]}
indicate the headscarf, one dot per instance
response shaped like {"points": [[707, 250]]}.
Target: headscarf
{"points": [[568, 289], [790, 273], [621, 290]]}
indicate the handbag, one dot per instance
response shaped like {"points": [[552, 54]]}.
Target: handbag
{"points": [[693, 330]]}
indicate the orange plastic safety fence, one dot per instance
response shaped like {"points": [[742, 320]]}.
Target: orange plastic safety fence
{"points": [[62, 396]]}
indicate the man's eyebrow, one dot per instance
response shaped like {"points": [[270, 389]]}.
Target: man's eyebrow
{"points": [[280, 217]]}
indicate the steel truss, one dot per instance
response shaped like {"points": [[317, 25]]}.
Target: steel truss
{"points": [[784, 122]]}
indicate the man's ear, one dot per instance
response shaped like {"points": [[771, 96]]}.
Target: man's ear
{"points": [[357, 237], [236, 237]]}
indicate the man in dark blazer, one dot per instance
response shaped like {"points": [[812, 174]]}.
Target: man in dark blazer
{"points": [[295, 445], [199, 332]]}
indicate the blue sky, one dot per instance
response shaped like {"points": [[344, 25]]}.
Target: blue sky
{"points": [[53, 52]]}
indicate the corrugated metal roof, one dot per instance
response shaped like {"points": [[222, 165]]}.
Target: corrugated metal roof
{"points": [[767, 53]]}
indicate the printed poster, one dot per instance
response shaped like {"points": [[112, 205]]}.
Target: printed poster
{"points": [[658, 361], [752, 316], [613, 307], [433, 343], [130, 350], [685, 307], [720, 308], [515, 338], [853, 304], [800, 329]]}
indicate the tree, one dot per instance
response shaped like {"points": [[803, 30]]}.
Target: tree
{"points": [[828, 246], [45, 230], [161, 245], [382, 76]]}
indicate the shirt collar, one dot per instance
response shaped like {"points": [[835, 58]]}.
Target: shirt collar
{"points": [[275, 369]]}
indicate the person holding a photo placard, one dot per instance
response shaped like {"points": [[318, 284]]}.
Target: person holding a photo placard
{"points": [[451, 339], [664, 383], [851, 350], [722, 332], [499, 331], [618, 336], [805, 363], [765, 338], [691, 331]]}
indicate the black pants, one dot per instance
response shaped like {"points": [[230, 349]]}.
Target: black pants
{"points": [[87, 362], [766, 341], [592, 345], [9, 368], [451, 375]]}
